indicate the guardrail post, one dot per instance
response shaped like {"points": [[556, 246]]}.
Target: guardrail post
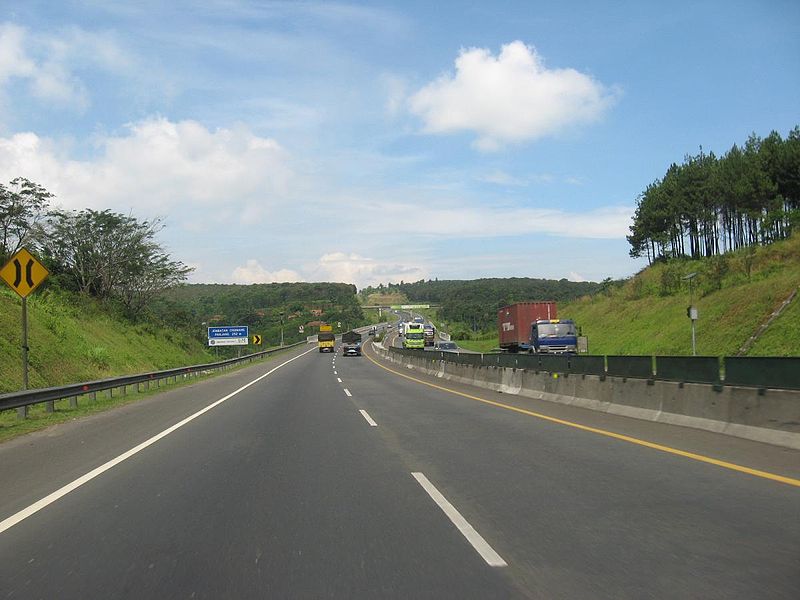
{"points": [[73, 402], [124, 390], [93, 397], [50, 406]]}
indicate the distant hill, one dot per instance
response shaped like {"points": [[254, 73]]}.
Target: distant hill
{"points": [[473, 304], [263, 307]]}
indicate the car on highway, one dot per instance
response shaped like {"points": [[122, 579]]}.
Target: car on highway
{"points": [[446, 346]]}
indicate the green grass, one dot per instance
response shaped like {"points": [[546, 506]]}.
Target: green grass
{"points": [[640, 318], [72, 340], [485, 345]]}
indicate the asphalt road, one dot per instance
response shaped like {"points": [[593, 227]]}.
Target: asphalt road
{"points": [[288, 490]]}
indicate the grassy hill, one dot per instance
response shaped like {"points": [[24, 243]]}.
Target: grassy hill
{"points": [[646, 314], [73, 339]]}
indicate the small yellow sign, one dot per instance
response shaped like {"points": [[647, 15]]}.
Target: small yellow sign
{"points": [[23, 273], [257, 340]]}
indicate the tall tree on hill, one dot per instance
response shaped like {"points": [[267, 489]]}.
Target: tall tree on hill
{"points": [[22, 204], [707, 206], [110, 255]]}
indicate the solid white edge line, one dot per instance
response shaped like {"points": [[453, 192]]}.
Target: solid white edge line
{"points": [[368, 418], [63, 491], [346, 391], [492, 558], [339, 379]]}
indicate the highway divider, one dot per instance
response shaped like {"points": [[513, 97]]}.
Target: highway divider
{"points": [[752, 398], [50, 395]]}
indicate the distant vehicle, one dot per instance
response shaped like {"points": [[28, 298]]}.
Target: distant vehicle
{"points": [[414, 336], [430, 335], [554, 336], [418, 320], [446, 347], [401, 326], [373, 330], [514, 323], [326, 340], [351, 344]]}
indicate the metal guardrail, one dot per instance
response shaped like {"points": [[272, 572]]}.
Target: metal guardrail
{"points": [[760, 372], [30, 397]]}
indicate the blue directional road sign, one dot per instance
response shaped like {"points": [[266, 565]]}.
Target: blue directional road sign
{"points": [[229, 336]]}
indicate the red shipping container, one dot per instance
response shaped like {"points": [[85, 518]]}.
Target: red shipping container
{"points": [[514, 322]]}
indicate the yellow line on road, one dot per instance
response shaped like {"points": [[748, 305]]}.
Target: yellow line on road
{"points": [[611, 434]]}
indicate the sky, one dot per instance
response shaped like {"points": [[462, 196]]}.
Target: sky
{"points": [[385, 141]]}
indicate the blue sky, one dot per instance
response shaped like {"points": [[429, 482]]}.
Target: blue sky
{"points": [[385, 141]]}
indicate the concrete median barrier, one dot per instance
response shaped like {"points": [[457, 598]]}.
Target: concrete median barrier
{"points": [[769, 416]]}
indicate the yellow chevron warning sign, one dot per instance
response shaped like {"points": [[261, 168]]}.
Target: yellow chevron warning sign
{"points": [[23, 273], [257, 340]]}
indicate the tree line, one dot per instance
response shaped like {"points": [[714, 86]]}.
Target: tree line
{"points": [[107, 255], [474, 304], [708, 206], [265, 307]]}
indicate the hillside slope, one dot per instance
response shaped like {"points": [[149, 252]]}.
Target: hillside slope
{"points": [[74, 340], [647, 313]]}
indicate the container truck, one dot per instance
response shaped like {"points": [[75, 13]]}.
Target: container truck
{"points": [[414, 336], [514, 323], [351, 344], [326, 340]]}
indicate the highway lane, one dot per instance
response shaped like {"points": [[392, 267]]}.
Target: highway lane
{"points": [[310, 484], [284, 490], [578, 515]]}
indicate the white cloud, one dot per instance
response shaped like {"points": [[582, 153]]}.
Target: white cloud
{"points": [[362, 271], [156, 167], [253, 272], [513, 97], [502, 178], [573, 276], [460, 219], [340, 267], [49, 61], [14, 61]]}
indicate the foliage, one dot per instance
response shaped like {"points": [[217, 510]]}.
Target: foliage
{"points": [[707, 205], [74, 338], [265, 308], [471, 306], [109, 256], [731, 308], [22, 205]]}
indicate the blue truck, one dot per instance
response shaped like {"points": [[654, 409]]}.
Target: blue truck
{"points": [[554, 336]]}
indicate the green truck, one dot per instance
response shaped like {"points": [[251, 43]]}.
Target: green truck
{"points": [[414, 336]]}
